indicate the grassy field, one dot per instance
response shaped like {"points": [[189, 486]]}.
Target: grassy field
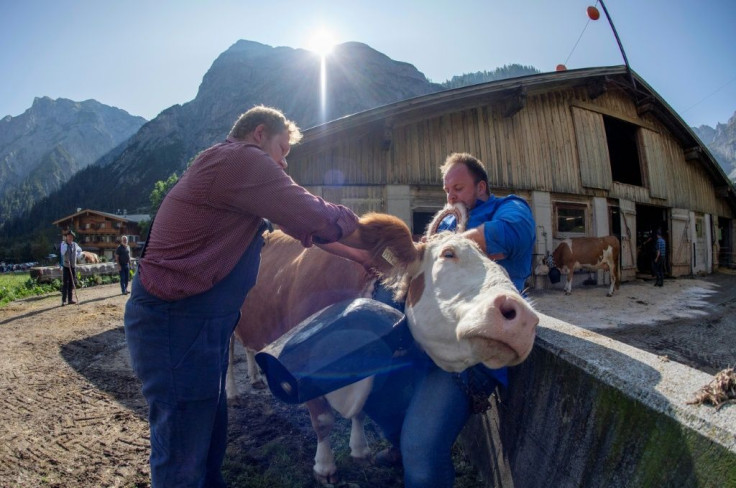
{"points": [[13, 279], [20, 285]]}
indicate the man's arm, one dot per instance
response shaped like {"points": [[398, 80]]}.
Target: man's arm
{"points": [[512, 228], [338, 249], [478, 235]]}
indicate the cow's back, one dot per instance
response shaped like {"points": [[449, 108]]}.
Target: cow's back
{"points": [[293, 283]]}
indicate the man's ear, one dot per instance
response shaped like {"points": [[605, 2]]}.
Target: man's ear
{"points": [[259, 134]]}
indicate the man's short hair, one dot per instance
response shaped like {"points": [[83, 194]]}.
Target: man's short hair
{"points": [[474, 165], [272, 118], [123, 238]]}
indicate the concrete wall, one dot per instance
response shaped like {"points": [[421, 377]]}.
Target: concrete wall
{"points": [[588, 411]]}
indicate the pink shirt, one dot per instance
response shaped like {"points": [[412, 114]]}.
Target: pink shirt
{"points": [[210, 217]]}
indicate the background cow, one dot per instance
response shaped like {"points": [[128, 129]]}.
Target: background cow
{"points": [[589, 252], [90, 257], [461, 308]]}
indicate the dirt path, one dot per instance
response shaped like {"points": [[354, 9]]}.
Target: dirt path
{"points": [[59, 428], [689, 320]]}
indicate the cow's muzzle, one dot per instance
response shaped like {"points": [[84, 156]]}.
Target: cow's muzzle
{"points": [[503, 333]]}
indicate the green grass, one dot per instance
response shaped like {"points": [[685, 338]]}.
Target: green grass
{"points": [[13, 279], [14, 286]]}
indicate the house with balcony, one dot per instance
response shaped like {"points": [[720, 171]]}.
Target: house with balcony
{"points": [[100, 232]]}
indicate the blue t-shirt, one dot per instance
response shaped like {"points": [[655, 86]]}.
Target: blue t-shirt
{"points": [[509, 230], [661, 247]]}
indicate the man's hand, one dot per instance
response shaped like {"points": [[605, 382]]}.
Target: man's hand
{"points": [[358, 255]]}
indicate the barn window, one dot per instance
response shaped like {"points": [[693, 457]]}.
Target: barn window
{"points": [[420, 220], [623, 150], [571, 219]]}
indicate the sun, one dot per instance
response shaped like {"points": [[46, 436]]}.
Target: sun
{"points": [[322, 42]]}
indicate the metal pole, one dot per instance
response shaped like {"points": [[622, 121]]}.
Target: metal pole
{"points": [[620, 46]]}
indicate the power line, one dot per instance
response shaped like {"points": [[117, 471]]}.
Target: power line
{"points": [[710, 94]]}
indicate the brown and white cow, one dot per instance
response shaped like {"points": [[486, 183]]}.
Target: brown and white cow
{"points": [[461, 308], [90, 257], [589, 252]]}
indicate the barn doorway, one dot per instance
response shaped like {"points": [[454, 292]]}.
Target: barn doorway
{"points": [[420, 219], [649, 219], [725, 246]]}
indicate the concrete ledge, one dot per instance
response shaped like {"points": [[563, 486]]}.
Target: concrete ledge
{"points": [[585, 410]]}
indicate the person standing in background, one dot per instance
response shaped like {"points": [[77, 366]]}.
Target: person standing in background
{"points": [[122, 258], [69, 253], [660, 255]]}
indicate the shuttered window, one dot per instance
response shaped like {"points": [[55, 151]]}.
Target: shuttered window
{"points": [[653, 149], [590, 132]]}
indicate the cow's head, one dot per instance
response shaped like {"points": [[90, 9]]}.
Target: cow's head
{"points": [[462, 307]]}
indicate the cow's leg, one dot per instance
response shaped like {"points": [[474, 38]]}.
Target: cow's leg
{"points": [[231, 388], [256, 380], [323, 419], [614, 280], [568, 284], [359, 449], [349, 401]]}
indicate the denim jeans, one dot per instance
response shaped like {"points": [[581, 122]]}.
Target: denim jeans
{"points": [[179, 350], [68, 283], [124, 276]]}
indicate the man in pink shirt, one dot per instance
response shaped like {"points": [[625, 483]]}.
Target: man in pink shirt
{"points": [[200, 260]]}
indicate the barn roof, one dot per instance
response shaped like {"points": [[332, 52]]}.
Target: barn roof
{"points": [[122, 218], [512, 92]]}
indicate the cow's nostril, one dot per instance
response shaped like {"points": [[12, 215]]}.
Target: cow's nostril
{"points": [[509, 313]]}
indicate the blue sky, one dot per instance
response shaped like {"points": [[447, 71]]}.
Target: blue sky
{"points": [[144, 56]]}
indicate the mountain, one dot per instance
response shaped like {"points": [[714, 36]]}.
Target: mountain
{"points": [[721, 142], [50, 142], [358, 78]]}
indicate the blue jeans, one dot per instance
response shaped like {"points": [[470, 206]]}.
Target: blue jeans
{"points": [[179, 350], [422, 409], [124, 276]]}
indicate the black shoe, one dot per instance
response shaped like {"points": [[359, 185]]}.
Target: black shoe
{"points": [[62, 304], [390, 456], [72, 302]]}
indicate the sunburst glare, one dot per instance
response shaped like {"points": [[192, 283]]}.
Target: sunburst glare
{"points": [[322, 43]]}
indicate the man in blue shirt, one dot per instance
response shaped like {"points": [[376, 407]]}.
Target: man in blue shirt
{"points": [[421, 410], [659, 257]]}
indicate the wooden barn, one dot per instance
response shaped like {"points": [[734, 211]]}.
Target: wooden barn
{"points": [[594, 151]]}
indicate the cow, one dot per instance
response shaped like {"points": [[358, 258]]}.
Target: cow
{"points": [[90, 257], [589, 252], [461, 308]]}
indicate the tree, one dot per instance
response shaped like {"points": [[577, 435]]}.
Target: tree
{"points": [[160, 189]]}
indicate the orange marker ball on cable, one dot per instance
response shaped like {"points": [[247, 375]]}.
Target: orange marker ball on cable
{"points": [[593, 13]]}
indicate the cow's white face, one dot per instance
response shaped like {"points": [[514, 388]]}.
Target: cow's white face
{"points": [[463, 309]]}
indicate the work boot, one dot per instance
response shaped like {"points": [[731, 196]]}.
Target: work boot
{"points": [[391, 456]]}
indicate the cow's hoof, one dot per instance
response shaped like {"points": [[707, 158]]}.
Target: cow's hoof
{"points": [[329, 479], [258, 385], [609, 294], [568, 293], [362, 461]]}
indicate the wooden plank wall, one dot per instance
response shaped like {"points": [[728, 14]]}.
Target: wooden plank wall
{"points": [[535, 149]]}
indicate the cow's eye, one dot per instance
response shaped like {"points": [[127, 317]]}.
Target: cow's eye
{"points": [[448, 253]]}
